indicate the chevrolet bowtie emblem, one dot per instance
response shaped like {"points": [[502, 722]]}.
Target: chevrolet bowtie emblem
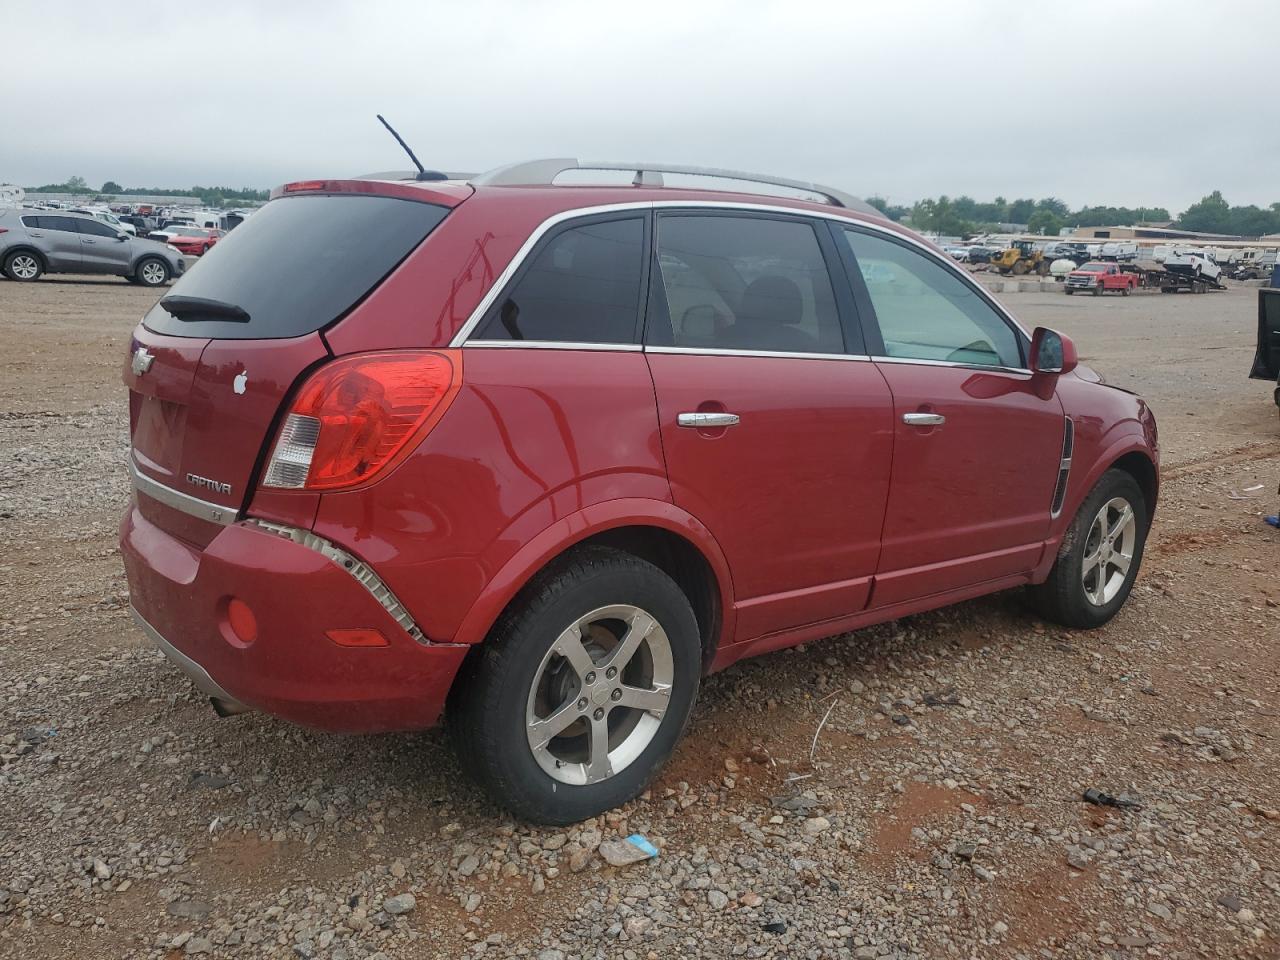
{"points": [[142, 361]]}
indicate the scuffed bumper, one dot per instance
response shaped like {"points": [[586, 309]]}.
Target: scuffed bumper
{"points": [[180, 592]]}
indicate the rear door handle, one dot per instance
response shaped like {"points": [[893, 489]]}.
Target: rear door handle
{"points": [[704, 420], [923, 419], [88, 240]]}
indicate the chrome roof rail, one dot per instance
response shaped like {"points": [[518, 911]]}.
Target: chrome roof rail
{"points": [[544, 173]]}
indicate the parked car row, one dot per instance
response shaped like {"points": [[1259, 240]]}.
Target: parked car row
{"points": [[33, 243]]}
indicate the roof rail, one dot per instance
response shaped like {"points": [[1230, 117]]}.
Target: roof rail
{"points": [[544, 173]]}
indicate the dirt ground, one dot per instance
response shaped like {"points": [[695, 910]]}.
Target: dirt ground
{"points": [[937, 812]]}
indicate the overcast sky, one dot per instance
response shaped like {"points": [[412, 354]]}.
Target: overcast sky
{"points": [[1129, 102]]}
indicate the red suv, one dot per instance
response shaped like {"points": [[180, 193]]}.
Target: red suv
{"points": [[537, 457]]}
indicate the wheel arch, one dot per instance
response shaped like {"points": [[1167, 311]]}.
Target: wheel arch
{"points": [[658, 532], [28, 248], [1140, 466]]}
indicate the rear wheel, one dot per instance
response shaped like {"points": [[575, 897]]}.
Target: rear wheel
{"points": [[1124, 291], [1099, 556], [23, 265], [152, 272], [582, 689]]}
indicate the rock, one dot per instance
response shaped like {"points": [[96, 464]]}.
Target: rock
{"points": [[621, 853], [578, 860], [401, 904], [198, 945], [1159, 910], [1245, 915], [469, 865], [101, 870], [816, 825], [1231, 901], [555, 841], [473, 903], [189, 909], [551, 955], [717, 899], [751, 899], [982, 873], [637, 927]]}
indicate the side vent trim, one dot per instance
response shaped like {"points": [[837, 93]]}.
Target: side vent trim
{"points": [[1064, 467]]}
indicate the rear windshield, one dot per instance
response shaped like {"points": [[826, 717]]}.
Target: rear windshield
{"points": [[296, 265]]}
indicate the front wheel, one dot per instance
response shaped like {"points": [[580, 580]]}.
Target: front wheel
{"points": [[152, 272], [582, 689], [1097, 289], [1099, 556]]}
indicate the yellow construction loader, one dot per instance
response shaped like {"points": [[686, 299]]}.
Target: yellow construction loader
{"points": [[1022, 257]]}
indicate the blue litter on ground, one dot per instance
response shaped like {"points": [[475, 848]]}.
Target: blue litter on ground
{"points": [[640, 841], [1274, 521]]}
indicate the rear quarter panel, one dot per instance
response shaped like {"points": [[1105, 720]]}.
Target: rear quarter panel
{"points": [[532, 438]]}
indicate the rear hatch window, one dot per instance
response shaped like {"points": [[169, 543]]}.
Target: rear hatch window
{"points": [[294, 267]]}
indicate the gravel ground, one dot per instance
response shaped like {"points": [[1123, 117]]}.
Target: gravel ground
{"points": [[937, 812]]}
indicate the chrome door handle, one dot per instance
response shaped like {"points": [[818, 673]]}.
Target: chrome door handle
{"points": [[923, 419], [703, 420], [88, 240]]}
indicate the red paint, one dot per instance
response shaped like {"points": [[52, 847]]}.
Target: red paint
{"points": [[820, 511]]}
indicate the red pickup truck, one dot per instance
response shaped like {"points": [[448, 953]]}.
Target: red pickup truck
{"points": [[1097, 277]]}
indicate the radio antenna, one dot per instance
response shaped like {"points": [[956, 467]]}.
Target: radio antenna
{"points": [[423, 173]]}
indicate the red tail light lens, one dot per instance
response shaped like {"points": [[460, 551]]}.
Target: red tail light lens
{"points": [[360, 415]]}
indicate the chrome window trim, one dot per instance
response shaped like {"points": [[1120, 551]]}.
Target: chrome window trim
{"points": [[554, 345], [839, 215], [193, 506], [731, 352], [986, 368], [464, 332]]}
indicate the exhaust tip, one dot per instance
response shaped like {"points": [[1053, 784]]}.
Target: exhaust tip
{"points": [[228, 708]]}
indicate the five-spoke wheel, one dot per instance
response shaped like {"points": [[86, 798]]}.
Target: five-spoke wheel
{"points": [[582, 689]]}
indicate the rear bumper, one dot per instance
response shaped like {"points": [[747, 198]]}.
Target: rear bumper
{"points": [[180, 594]]}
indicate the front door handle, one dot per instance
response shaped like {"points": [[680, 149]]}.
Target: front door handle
{"points": [[704, 420], [87, 240], [923, 419]]}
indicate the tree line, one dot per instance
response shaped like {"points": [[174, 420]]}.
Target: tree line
{"points": [[964, 216], [210, 196]]}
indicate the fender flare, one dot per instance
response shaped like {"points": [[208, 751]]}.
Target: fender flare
{"points": [[28, 248], [1121, 446], [503, 586]]}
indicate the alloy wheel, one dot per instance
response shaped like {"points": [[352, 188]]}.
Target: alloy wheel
{"points": [[599, 695], [153, 273], [24, 266], [1108, 551]]}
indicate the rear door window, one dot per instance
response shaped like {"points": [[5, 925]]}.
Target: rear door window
{"points": [[296, 266], [581, 286], [743, 283]]}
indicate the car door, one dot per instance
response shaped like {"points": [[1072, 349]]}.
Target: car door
{"points": [[776, 431], [978, 439], [101, 249], [57, 238]]}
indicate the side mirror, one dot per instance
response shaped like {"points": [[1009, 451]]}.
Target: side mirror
{"points": [[122, 236], [1051, 352]]}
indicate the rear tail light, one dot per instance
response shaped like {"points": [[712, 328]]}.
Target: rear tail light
{"points": [[360, 415]]}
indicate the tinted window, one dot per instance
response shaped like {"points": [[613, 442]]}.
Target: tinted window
{"points": [[33, 223], [743, 283], [926, 312], [67, 224], [96, 229], [582, 286], [299, 264]]}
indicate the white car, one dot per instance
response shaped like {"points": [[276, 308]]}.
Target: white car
{"points": [[960, 254], [110, 219]]}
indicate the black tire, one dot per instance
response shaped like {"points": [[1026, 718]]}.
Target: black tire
{"points": [[145, 272], [1124, 291], [23, 266], [1068, 291], [1062, 598], [487, 712], [1097, 289]]}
